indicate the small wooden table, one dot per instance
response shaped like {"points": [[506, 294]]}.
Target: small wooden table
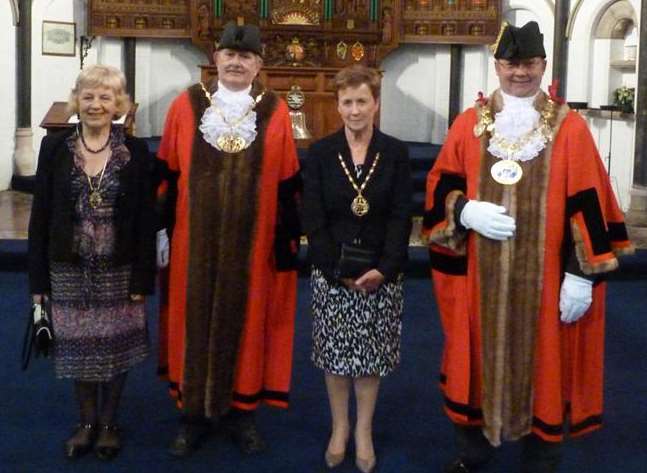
{"points": [[58, 116]]}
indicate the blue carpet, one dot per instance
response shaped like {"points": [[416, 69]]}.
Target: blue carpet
{"points": [[411, 433]]}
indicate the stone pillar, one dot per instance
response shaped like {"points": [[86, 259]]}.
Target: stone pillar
{"points": [[455, 82], [640, 161], [560, 44], [637, 215], [24, 151]]}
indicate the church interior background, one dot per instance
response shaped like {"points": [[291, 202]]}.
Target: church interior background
{"points": [[433, 55], [434, 58]]}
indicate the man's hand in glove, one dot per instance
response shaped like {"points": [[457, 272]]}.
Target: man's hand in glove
{"points": [[162, 248], [488, 219], [575, 297]]}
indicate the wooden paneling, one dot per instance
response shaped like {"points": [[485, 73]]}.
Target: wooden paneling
{"points": [[450, 21], [140, 18]]}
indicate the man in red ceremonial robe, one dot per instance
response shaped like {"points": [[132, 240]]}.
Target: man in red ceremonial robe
{"points": [[521, 222], [227, 322]]}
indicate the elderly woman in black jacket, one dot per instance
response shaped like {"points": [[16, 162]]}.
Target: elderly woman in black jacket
{"points": [[357, 217], [92, 253]]}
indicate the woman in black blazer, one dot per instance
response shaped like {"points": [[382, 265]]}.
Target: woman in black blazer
{"points": [[357, 217], [92, 253]]}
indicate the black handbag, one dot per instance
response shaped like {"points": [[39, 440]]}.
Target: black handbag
{"points": [[39, 335], [355, 260]]}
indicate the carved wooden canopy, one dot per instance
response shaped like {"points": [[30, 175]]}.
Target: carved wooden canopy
{"points": [[315, 33]]}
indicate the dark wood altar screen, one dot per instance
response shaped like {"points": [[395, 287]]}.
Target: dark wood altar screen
{"points": [[306, 41]]}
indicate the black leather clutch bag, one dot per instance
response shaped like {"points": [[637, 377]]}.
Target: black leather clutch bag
{"points": [[355, 260], [39, 336]]}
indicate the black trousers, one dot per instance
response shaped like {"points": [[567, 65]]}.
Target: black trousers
{"points": [[537, 455]]}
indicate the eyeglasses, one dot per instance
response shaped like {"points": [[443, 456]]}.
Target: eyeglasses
{"points": [[525, 64]]}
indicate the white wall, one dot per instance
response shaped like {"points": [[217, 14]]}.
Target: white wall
{"points": [[164, 69], [591, 79], [52, 77], [415, 102], [8, 97]]}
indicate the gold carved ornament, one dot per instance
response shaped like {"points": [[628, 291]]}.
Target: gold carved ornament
{"points": [[494, 46], [359, 206], [232, 141]]}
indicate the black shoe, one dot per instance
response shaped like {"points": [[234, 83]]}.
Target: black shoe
{"points": [[80, 442], [108, 444], [457, 466], [188, 438], [245, 435]]}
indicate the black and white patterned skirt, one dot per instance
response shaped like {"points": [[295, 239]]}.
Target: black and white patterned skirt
{"points": [[356, 334]]}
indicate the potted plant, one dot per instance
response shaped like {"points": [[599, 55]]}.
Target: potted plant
{"points": [[623, 97]]}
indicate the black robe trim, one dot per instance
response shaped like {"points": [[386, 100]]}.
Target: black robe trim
{"points": [[264, 394], [447, 264], [447, 183], [588, 203]]}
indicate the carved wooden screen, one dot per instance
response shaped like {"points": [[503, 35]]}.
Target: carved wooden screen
{"points": [[450, 21], [330, 33], [299, 33]]}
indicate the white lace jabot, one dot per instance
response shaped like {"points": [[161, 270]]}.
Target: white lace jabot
{"points": [[518, 123], [233, 105]]}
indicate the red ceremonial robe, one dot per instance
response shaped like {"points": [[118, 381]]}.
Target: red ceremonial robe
{"points": [[227, 325], [509, 363]]}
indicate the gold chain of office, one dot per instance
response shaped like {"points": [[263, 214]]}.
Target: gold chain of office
{"points": [[359, 206]]}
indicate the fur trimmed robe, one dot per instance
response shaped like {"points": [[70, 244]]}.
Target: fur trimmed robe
{"points": [[226, 328], [509, 363]]}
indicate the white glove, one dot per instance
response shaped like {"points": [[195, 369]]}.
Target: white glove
{"points": [[162, 248], [488, 219], [575, 297]]}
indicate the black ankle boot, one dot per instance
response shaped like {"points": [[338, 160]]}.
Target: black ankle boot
{"points": [[189, 436], [241, 426]]}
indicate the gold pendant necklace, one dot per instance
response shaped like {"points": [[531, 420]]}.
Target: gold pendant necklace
{"points": [[95, 198], [359, 206], [231, 141]]}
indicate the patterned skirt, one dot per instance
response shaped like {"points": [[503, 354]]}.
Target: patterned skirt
{"points": [[99, 331], [356, 334]]}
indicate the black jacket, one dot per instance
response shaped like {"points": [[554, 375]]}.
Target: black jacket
{"points": [[327, 218], [51, 224]]}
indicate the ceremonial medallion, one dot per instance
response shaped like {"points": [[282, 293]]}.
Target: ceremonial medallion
{"points": [[95, 199], [506, 172], [230, 143], [359, 206]]}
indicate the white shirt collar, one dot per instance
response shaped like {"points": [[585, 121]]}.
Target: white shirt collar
{"points": [[518, 102], [237, 96]]}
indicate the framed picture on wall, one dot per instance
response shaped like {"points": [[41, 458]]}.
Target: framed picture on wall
{"points": [[59, 38]]}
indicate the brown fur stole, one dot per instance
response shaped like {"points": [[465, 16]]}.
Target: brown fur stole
{"points": [[511, 276], [223, 197]]}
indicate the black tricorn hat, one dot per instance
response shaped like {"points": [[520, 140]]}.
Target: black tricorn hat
{"points": [[241, 38], [519, 43]]}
